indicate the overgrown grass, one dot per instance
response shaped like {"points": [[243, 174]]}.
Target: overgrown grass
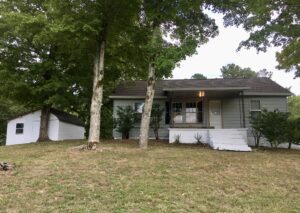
{"points": [[53, 177]]}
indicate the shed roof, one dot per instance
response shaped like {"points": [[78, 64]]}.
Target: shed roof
{"points": [[61, 116], [255, 85], [66, 117]]}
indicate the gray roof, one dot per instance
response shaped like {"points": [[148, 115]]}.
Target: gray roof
{"points": [[258, 86]]}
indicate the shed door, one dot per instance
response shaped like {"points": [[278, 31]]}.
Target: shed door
{"points": [[215, 114]]}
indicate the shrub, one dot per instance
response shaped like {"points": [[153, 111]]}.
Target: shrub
{"points": [[274, 126], [125, 120], [198, 138], [292, 133], [256, 128], [156, 117], [177, 139]]}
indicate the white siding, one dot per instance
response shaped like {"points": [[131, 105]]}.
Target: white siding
{"points": [[30, 132], [56, 130], [70, 131]]}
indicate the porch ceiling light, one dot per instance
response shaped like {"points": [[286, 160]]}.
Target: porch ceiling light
{"points": [[201, 94]]}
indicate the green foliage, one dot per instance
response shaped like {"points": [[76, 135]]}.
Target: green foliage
{"points": [[107, 123], [293, 131], [198, 76], [156, 118], [270, 23], [171, 30], [274, 126], [264, 73], [235, 71], [294, 106], [125, 120]]}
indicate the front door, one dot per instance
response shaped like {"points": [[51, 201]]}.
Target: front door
{"points": [[215, 114]]}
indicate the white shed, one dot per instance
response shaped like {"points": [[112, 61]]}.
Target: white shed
{"points": [[62, 126]]}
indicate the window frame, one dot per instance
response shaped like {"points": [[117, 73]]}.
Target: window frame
{"points": [[176, 113], [137, 114], [184, 111], [19, 130], [255, 111]]}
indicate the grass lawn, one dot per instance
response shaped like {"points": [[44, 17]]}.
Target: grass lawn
{"points": [[53, 177]]}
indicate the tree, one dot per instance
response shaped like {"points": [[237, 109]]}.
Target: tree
{"points": [[264, 73], [235, 71], [294, 106], [187, 26], [125, 120], [270, 23], [198, 76], [39, 57], [292, 133], [49, 49], [156, 118]]}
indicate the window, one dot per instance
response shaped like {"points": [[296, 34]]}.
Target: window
{"points": [[255, 109], [190, 113], [19, 128], [138, 108], [177, 113]]}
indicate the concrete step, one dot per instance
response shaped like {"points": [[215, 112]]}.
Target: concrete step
{"points": [[237, 141], [228, 139], [242, 148]]}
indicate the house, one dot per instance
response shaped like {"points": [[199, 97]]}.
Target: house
{"points": [[26, 127], [217, 110]]}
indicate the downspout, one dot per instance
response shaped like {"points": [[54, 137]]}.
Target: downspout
{"points": [[240, 110], [243, 110]]}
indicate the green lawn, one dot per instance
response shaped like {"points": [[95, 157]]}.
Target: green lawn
{"points": [[53, 177]]}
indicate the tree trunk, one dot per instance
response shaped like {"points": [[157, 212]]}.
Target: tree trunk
{"points": [[144, 131], [96, 103], [156, 134], [45, 114], [290, 145]]}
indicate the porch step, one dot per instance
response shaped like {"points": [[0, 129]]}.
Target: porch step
{"points": [[228, 139]]}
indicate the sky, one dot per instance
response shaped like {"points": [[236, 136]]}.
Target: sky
{"points": [[221, 51]]}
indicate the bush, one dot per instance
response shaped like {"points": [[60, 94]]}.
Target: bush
{"points": [[177, 139], [256, 128], [293, 132], [273, 125], [198, 138], [125, 120], [156, 117]]}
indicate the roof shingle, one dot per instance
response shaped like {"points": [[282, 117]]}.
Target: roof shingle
{"points": [[255, 85]]}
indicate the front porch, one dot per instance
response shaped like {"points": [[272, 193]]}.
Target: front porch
{"points": [[208, 109], [216, 117]]}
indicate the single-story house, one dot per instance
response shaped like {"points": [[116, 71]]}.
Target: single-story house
{"points": [[25, 128], [218, 110]]}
